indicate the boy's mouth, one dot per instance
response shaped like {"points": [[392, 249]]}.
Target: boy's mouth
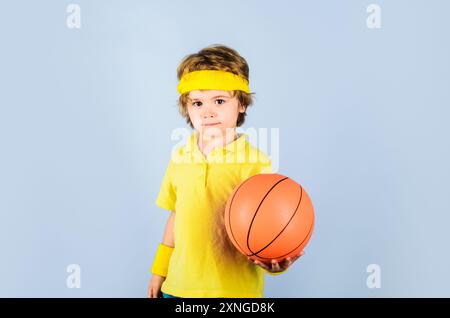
{"points": [[211, 124]]}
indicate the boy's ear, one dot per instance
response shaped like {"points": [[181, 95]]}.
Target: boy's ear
{"points": [[241, 109]]}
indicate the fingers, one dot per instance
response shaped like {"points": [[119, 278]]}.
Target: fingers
{"points": [[149, 291], [292, 259], [284, 264], [154, 293], [289, 261], [263, 265], [275, 265]]}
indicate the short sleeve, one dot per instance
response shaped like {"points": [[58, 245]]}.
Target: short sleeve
{"points": [[167, 196]]}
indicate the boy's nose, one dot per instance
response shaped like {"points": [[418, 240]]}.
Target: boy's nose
{"points": [[209, 114]]}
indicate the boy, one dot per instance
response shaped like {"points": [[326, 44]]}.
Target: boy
{"points": [[196, 258]]}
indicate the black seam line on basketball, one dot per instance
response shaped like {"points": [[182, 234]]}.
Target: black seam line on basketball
{"points": [[309, 232], [292, 216], [229, 211], [256, 212]]}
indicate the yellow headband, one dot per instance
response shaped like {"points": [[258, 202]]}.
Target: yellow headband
{"points": [[211, 79]]}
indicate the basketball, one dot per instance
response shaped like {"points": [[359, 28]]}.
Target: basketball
{"points": [[269, 216]]}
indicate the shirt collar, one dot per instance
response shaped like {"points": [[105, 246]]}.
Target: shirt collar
{"points": [[235, 146]]}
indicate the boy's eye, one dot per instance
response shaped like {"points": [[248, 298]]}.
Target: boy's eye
{"points": [[221, 100], [195, 104]]}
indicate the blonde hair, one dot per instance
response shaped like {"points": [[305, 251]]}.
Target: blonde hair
{"points": [[215, 57]]}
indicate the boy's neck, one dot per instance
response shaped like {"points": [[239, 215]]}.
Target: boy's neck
{"points": [[207, 143]]}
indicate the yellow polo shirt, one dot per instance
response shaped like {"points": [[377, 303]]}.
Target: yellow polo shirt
{"points": [[204, 263]]}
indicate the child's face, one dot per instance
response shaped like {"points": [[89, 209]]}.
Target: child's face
{"points": [[213, 112]]}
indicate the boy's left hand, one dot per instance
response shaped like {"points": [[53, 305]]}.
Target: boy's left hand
{"points": [[276, 267]]}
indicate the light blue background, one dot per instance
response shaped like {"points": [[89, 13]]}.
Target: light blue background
{"points": [[86, 117]]}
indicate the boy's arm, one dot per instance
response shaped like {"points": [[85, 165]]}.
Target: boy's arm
{"points": [[168, 238], [161, 262], [165, 249]]}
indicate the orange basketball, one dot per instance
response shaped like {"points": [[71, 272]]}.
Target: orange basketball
{"points": [[269, 216]]}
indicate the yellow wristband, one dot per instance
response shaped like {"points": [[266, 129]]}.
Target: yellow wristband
{"points": [[162, 258]]}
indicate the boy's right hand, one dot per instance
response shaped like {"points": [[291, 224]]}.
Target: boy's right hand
{"points": [[154, 287]]}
